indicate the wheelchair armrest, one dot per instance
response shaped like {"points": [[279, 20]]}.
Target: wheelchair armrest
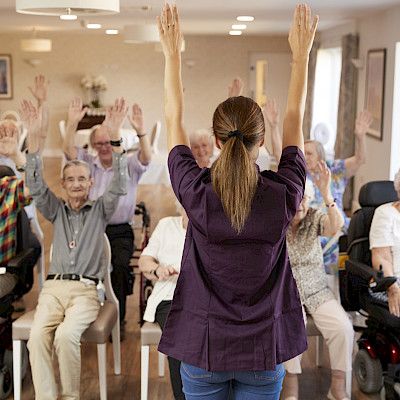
{"points": [[371, 277], [20, 259]]}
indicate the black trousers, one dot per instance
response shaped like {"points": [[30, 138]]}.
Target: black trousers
{"points": [[174, 365], [122, 277]]}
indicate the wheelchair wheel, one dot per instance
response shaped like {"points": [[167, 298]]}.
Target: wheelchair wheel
{"points": [[5, 382], [368, 372]]}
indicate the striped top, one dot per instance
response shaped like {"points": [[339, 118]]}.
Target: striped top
{"points": [[12, 200]]}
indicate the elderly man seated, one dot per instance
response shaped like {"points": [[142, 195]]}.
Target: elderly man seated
{"points": [[69, 301], [119, 230], [384, 240]]}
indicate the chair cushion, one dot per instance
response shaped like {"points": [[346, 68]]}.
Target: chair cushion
{"points": [[21, 327], [99, 331], [150, 333]]}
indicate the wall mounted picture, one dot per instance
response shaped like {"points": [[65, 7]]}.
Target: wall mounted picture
{"points": [[5, 77], [375, 90]]}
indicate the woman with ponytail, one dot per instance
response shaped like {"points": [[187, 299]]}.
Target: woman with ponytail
{"points": [[236, 314]]}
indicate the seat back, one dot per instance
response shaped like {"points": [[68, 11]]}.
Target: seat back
{"points": [[155, 135], [353, 285]]}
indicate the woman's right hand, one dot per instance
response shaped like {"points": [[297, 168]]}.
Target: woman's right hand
{"points": [[302, 32], [394, 299], [271, 112], [75, 112], [164, 272]]}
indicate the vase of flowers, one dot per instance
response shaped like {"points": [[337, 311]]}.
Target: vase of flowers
{"points": [[94, 85]]}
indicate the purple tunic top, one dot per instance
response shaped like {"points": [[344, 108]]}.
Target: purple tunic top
{"points": [[236, 306]]}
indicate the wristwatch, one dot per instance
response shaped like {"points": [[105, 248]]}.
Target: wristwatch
{"points": [[116, 143]]}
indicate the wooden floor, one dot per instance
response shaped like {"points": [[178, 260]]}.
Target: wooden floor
{"points": [[314, 382]]}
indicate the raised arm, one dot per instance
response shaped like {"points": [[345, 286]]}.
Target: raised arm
{"points": [[235, 88], [45, 199], [334, 220], [271, 116], [352, 164], [39, 92], [171, 41], [137, 122], [115, 116], [301, 37], [75, 114]]}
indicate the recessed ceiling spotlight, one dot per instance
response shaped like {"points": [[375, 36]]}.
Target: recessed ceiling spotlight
{"points": [[68, 16], [112, 31], [245, 18], [93, 26], [235, 33], [239, 27]]}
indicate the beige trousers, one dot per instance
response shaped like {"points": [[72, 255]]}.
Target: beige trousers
{"points": [[337, 330], [65, 309]]}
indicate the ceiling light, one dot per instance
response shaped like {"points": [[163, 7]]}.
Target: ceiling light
{"points": [[239, 26], [112, 31], [93, 26], [68, 16], [60, 7], [235, 33], [36, 45], [141, 34], [245, 18]]}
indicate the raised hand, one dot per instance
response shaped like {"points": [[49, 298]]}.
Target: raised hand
{"points": [[136, 119], [363, 122], [271, 112], [115, 116], [302, 32], [32, 119], [39, 90], [235, 88], [75, 112], [169, 30], [322, 179], [8, 139]]}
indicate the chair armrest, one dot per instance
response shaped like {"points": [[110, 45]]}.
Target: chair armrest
{"points": [[371, 277], [20, 259]]}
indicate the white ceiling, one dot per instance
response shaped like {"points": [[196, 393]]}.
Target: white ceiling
{"points": [[204, 16]]}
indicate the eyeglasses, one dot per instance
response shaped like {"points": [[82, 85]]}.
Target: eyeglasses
{"points": [[100, 144]]}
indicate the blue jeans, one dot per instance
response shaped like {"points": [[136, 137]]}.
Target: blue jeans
{"points": [[246, 385]]}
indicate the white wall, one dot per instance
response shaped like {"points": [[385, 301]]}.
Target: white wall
{"points": [[136, 72], [381, 30]]}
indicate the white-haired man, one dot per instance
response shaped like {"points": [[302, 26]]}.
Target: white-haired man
{"points": [[69, 302]]}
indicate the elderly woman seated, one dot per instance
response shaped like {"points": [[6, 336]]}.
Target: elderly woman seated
{"points": [[202, 146], [160, 261], [318, 301], [384, 240]]}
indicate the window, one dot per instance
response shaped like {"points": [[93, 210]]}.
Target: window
{"points": [[395, 145], [326, 98]]}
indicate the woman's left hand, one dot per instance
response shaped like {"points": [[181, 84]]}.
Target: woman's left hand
{"points": [[136, 119], [322, 178], [115, 116], [169, 30]]}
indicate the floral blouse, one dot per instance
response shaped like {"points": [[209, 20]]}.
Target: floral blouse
{"points": [[305, 254], [338, 186]]}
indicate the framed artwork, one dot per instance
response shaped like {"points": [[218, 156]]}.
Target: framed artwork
{"points": [[375, 90], [5, 77]]}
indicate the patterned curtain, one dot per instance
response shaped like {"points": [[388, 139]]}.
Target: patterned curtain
{"points": [[344, 146], [310, 90]]}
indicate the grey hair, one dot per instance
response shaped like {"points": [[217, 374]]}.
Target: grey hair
{"points": [[319, 148], [198, 134], [93, 130], [396, 182], [75, 163]]}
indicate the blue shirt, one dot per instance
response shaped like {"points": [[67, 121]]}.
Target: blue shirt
{"points": [[236, 305]]}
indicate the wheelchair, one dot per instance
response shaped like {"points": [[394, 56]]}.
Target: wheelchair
{"points": [[27, 255], [377, 363]]}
